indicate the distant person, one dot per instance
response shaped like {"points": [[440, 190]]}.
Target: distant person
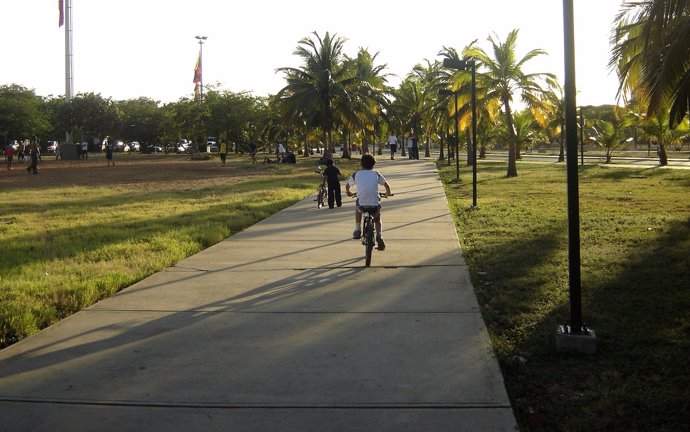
{"points": [[21, 150], [332, 175], [280, 152], [289, 158], [109, 153], [33, 151], [85, 150], [223, 151], [415, 147], [252, 151], [58, 151], [393, 143], [9, 155], [409, 144]]}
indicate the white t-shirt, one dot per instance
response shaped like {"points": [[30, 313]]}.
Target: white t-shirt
{"points": [[392, 139], [367, 183], [410, 144]]}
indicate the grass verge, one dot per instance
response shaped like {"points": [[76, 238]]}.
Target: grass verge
{"points": [[66, 246], [635, 229]]}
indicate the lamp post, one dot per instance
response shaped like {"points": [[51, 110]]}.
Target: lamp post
{"points": [[201, 40], [445, 92], [471, 65], [573, 336]]}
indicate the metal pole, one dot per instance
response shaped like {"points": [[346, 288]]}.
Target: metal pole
{"points": [[582, 138], [474, 136], [201, 66], [457, 140], [571, 161], [69, 78]]}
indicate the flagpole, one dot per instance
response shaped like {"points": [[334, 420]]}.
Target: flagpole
{"points": [[69, 78]]}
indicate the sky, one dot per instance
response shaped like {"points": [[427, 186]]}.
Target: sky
{"points": [[126, 49]]}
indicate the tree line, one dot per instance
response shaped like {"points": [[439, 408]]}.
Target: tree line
{"points": [[337, 99]]}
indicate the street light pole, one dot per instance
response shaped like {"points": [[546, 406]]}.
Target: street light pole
{"points": [[474, 134], [573, 336], [201, 40], [464, 65], [445, 92]]}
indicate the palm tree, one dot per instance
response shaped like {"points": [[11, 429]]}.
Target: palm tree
{"points": [[658, 127], [652, 55], [366, 107], [321, 85], [504, 77], [525, 129], [608, 133], [550, 115]]}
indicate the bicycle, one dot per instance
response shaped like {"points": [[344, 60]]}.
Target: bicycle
{"points": [[368, 228], [322, 192]]}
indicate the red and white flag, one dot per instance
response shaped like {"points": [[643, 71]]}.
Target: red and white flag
{"points": [[197, 70], [61, 7]]}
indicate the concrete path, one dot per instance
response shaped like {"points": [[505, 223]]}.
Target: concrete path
{"points": [[279, 328]]}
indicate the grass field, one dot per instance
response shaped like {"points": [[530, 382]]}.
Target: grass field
{"points": [[80, 231], [635, 228]]}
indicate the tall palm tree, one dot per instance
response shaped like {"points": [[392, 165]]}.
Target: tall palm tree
{"points": [[503, 77], [652, 55], [322, 84], [367, 105]]}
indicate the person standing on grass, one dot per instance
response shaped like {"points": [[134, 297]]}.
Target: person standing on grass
{"points": [[109, 153], [223, 152], [9, 155], [332, 174], [33, 151]]}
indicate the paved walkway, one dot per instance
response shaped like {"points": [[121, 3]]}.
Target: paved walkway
{"points": [[279, 328]]}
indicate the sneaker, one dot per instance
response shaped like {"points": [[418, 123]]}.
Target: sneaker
{"points": [[357, 234], [380, 243]]}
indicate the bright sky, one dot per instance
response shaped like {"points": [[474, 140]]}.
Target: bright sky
{"points": [[129, 48]]}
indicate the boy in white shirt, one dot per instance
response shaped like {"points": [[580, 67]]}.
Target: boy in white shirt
{"points": [[367, 182]]}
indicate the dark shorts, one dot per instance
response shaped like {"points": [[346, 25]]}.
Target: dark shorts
{"points": [[9, 158], [369, 209]]}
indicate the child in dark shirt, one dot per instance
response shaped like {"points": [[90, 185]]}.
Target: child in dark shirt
{"points": [[332, 174]]}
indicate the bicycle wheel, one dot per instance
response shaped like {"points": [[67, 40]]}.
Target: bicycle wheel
{"points": [[321, 199], [368, 240]]}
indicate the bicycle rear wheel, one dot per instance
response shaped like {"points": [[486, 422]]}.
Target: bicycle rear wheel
{"points": [[368, 240], [321, 199]]}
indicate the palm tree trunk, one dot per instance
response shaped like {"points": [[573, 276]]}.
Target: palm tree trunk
{"points": [[440, 150], [561, 153], [512, 164], [306, 142], [663, 158]]}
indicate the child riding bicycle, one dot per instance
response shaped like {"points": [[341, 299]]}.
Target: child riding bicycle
{"points": [[367, 182]]}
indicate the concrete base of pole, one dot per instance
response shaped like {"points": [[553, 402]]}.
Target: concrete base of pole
{"points": [[577, 343]]}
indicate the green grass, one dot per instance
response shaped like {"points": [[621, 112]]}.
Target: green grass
{"points": [[635, 246], [64, 248]]}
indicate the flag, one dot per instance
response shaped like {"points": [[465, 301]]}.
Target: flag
{"points": [[61, 8], [196, 91], [197, 70]]}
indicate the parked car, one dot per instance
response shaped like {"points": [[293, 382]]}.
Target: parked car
{"points": [[51, 146], [156, 149], [134, 146], [211, 144], [120, 146]]}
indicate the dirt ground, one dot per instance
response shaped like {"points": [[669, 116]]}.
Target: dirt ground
{"points": [[165, 171]]}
